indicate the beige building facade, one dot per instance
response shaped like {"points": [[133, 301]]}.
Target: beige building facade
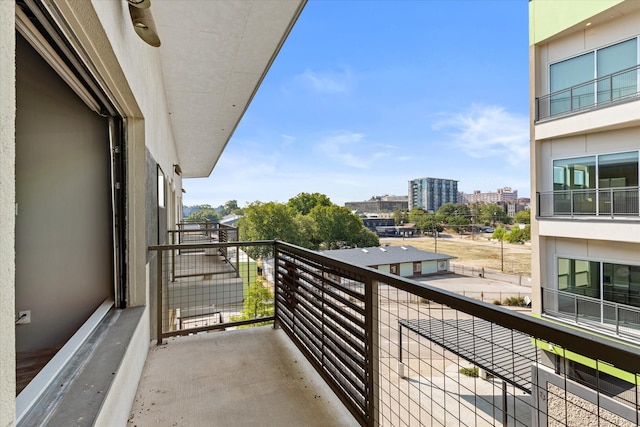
{"points": [[585, 146]]}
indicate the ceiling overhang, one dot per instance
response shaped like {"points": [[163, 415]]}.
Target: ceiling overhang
{"points": [[214, 56]]}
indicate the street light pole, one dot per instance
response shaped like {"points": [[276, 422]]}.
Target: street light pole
{"points": [[435, 237]]}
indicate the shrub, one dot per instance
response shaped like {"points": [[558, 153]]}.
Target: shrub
{"points": [[515, 302], [470, 372]]}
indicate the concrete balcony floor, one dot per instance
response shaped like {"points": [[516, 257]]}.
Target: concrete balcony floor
{"points": [[249, 377]]}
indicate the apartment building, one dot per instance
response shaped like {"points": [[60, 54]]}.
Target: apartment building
{"points": [[585, 143], [431, 193], [500, 195]]}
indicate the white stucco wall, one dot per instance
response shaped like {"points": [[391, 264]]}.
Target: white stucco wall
{"points": [[7, 212]]}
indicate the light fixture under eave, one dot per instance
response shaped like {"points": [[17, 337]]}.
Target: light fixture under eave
{"points": [[177, 169], [140, 4], [144, 26]]}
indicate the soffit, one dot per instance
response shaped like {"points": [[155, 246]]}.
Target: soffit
{"points": [[214, 56]]}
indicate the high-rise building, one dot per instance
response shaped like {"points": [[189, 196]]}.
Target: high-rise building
{"points": [[431, 193], [585, 127]]}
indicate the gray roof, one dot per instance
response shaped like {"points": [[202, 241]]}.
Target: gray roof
{"points": [[368, 257], [504, 353]]}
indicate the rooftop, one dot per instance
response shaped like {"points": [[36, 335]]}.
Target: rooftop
{"points": [[367, 257]]}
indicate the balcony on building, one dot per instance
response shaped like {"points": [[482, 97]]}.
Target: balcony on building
{"points": [[591, 195], [594, 91], [268, 333]]}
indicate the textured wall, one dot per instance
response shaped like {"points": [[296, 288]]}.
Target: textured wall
{"points": [[7, 218]]}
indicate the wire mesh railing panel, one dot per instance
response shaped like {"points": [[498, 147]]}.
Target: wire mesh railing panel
{"points": [[212, 286], [439, 366]]}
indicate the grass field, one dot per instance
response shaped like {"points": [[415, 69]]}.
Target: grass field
{"points": [[477, 252]]}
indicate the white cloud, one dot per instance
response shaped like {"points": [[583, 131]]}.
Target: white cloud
{"points": [[488, 131], [329, 82], [287, 139], [344, 148]]}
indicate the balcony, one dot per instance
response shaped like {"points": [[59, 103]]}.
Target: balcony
{"points": [[391, 350], [614, 318], [615, 202], [605, 91]]}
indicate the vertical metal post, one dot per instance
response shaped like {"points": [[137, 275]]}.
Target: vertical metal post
{"points": [[617, 319], [371, 322], [611, 201], [159, 253], [575, 308], [505, 418], [275, 284], [400, 341], [571, 202]]}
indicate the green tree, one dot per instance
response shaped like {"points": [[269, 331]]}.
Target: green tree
{"points": [[335, 226], [416, 214], [518, 234], [400, 216], [490, 214], [303, 203], [500, 233], [430, 223], [366, 239], [230, 207], [455, 209], [522, 217], [267, 221], [258, 303], [203, 215], [459, 223]]}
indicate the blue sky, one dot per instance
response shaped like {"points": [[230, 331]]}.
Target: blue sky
{"points": [[367, 95]]}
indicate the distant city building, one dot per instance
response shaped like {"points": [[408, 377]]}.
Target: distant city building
{"points": [[380, 204], [501, 195], [431, 193], [511, 207]]}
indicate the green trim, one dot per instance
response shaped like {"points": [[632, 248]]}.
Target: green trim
{"points": [[548, 18], [601, 365]]}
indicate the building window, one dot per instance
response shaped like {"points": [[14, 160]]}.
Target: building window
{"points": [[621, 283], [579, 277], [600, 76], [394, 268], [603, 184], [616, 283]]}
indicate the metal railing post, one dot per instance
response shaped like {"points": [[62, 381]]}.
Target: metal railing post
{"points": [[372, 323], [276, 322], [617, 319], [571, 202], [159, 298], [611, 201]]}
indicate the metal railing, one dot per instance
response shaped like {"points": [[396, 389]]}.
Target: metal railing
{"points": [[601, 92], [618, 318], [611, 202], [398, 352]]}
